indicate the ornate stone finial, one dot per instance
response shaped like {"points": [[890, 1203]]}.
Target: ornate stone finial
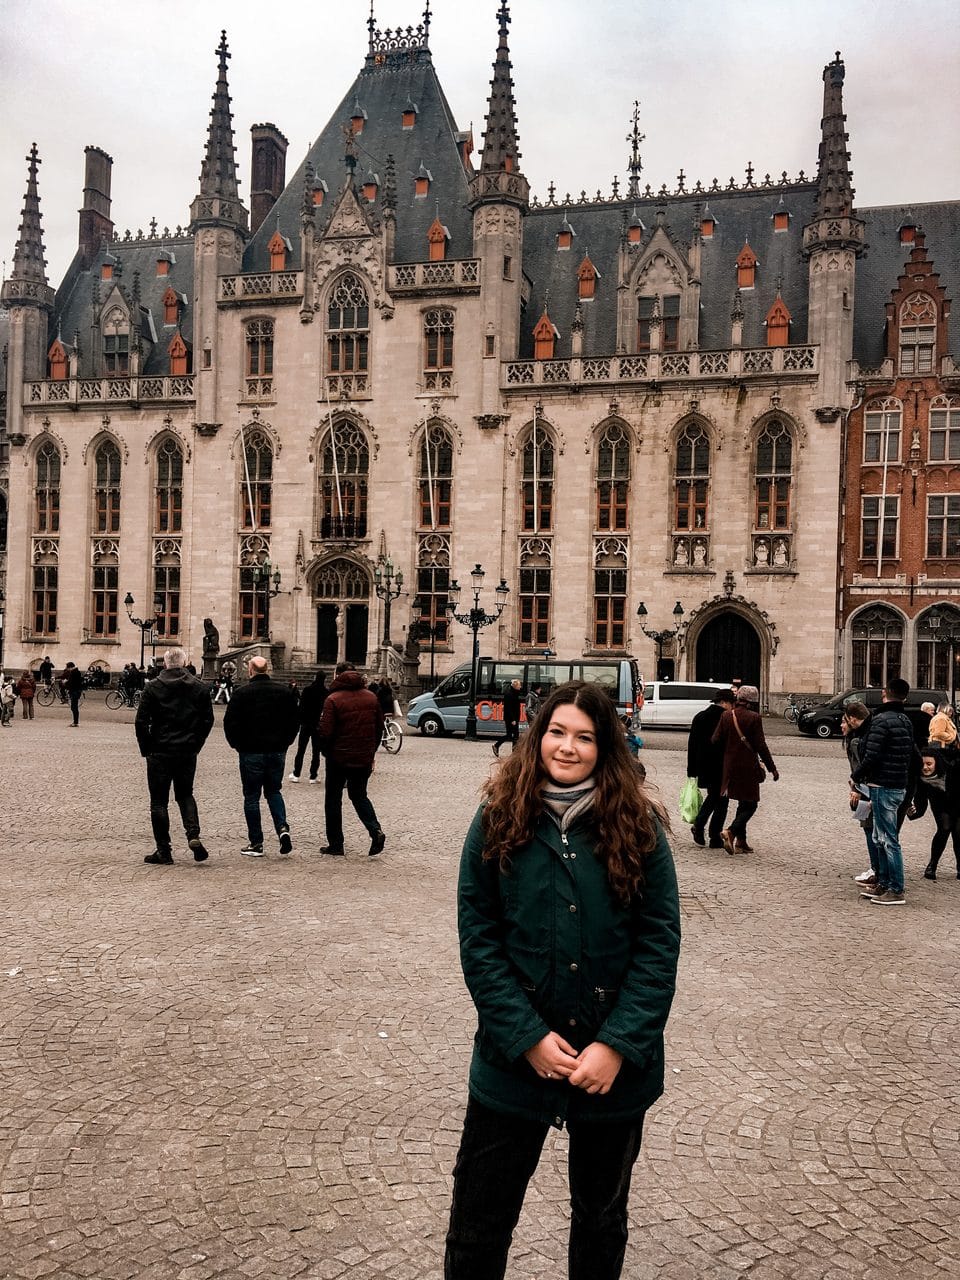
{"points": [[499, 173], [729, 583], [634, 163], [29, 264], [749, 181], [681, 179], [737, 313], [552, 192], [389, 197], [349, 148], [835, 197], [616, 186]]}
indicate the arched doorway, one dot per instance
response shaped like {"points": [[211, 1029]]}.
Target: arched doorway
{"points": [[341, 590], [727, 647]]}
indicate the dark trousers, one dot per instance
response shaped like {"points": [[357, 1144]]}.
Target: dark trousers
{"points": [[262, 771], [74, 697], [948, 828], [311, 735], [179, 770], [497, 1157], [745, 811], [714, 808], [336, 777], [511, 731]]}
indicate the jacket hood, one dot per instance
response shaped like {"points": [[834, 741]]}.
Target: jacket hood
{"points": [[348, 680]]}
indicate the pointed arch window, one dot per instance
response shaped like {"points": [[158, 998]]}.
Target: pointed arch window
{"points": [[435, 480], [166, 587], [778, 324], [438, 340], [746, 268], [45, 583], [877, 646], [344, 478], [918, 334], [610, 594], [256, 482], [348, 327], [537, 482], [773, 461], [692, 479], [47, 489], [116, 344], [613, 478], [107, 488], [936, 650], [171, 306], [179, 356], [169, 491], [258, 338], [105, 593]]}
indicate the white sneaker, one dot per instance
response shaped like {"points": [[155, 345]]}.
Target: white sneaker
{"points": [[864, 877], [314, 780], [252, 851], [293, 777]]}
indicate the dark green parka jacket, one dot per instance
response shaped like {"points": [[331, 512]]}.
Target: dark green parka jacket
{"points": [[547, 946]]}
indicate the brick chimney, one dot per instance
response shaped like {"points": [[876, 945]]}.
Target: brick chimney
{"points": [[96, 224], [267, 172]]}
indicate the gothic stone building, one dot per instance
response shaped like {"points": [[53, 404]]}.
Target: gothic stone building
{"points": [[399, 356]]}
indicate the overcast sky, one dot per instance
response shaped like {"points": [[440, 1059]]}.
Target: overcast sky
{"points": [[720, 83]]}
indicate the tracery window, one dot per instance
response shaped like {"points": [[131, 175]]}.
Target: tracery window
{"points": [[773, 476], [45, 579], [613, 478], [877, 646], [881, 432], [692, 479], [107, 488], [936, 649], [169, 491], [610, 594], [253, 606], [435, 480], [537, 482], [344, 477], [116, 344], [258, 335], [47, 489], [918, 334], [348, 326], [166, 586], [668, 307], [105, 589], [438, 340], [256, 482], [535, 607], [433, 582]]}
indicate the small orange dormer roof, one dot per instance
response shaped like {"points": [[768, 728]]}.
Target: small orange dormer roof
{"points": [[178, 346], [57, 353], [586, 269], [746, 257], [437, 232], [279, 243], [545, 328], [170, 296], [778, 315]]}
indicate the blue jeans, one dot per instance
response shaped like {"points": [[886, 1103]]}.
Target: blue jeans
{"points": [[886, 838], [262, 771]]}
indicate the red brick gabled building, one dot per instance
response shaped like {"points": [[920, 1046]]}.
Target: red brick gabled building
{"points": [[899, 604]]}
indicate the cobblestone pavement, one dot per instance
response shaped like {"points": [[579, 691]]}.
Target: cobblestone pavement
{"points": [[257, 1068]]}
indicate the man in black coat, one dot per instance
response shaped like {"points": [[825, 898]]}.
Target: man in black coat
{"points": [[261, 720], [705, 763], [72, 682], [511, 716], [311, 708], [173, 721]]}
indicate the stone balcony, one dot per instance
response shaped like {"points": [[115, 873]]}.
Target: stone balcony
{"points": [[434, 278], [77, 391], [886, 370], [739, 363], [261, 285]]}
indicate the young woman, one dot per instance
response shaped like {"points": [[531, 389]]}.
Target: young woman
{"points": [[854, 727], [569, 939]]}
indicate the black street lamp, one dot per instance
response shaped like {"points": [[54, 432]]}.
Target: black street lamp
{"points": [[388, 586], [943, 625], [476, 619], [660, 638], [2, 603], [145, 624], [421, 627], [261, 573]]}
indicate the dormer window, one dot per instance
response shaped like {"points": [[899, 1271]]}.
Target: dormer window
{"points": [[116, 344], [371, 185], [587, 276], [278, 248], [421, 182], [57, 362], [708, 225], [565, 236], [781, 220], [908, 233], [635, 230], [110, 268], [171, 306], [408, 117], [179, 357], [918, 334], [746, 268], [164, 262], [778, 324], [319, 192], [358, 118], [544, 338], [437, 238]]}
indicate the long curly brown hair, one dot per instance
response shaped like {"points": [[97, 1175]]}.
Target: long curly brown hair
{"points": [[624, 818]]}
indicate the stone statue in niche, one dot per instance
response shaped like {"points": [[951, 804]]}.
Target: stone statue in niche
{"points": [[681, 556], [761, 555], [780, 553], [211, 647], [699, 555]]}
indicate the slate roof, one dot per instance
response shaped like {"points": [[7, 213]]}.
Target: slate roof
{"points": [[383, 92]]}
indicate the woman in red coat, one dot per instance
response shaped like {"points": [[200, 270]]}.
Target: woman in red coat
{"points": [[740, 733], [26, 687]]}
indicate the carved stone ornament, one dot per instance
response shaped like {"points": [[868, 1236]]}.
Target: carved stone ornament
{"points": [[491, 421], [827, 413], [206, 428], [17, 438]]}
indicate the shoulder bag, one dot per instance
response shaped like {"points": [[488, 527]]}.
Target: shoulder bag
{"points": [[761, 772]]}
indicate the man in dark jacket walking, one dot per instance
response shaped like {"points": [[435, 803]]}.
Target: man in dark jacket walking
{"points": [[886, 760], [72, 683], [511, 716], [705, 763], [351, 728], [311, 708], [260, 722], [173, 720]]}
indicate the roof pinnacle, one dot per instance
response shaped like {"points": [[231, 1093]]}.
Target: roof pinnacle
{"points": [[835, 197], [634, 163], [499, 177], [218, 176], [28, 259]]}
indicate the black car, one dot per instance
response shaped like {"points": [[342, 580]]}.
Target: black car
{"points": [[824, 720]]}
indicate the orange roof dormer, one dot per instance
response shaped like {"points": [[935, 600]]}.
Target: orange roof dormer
{"points": [[778, 323], [278, 248], [746, 268], [57, 361], [587, 277], [544, 338], [437, 237], [171, 305], [179, 356]]}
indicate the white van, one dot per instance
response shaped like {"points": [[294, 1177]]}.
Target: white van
{"points": [[673, 703]]}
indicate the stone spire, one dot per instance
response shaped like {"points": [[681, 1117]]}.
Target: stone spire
{"points": [[835, 197], [499, 175], [29, 264], [634, 163], [219, 200]]}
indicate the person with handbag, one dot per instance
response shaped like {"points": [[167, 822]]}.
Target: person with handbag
{"points": [[745, 752], [705, 763]]}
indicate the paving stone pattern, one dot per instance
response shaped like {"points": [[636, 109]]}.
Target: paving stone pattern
{"points": [[256, 1068]]}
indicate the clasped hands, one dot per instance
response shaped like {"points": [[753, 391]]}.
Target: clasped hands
{"points": [[594, 1069]]}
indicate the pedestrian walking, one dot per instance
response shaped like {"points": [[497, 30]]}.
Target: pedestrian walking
{"points": [[885, 766], [351, 729], [532, 704], [173, 721], [260, 722], [854, 726], [511, 716], [745, 752], [310, 708], [705, 763], [224, 687], [46, 671], [8, 696], [26, 688], [565, 859], [939, 788], [72, 684]]}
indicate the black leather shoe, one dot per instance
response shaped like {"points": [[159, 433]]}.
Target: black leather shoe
{"points": [[158, 859], [697, 836], [377, 843], [199, 852], [334, 853], [930, 872]]}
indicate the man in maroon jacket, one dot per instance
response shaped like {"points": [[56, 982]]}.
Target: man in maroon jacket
{"points": [[351, 728]]}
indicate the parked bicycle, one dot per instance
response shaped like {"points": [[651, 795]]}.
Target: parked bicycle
{"points": [[48, 694], [791, 712], [392, 739], [123, 697]]}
